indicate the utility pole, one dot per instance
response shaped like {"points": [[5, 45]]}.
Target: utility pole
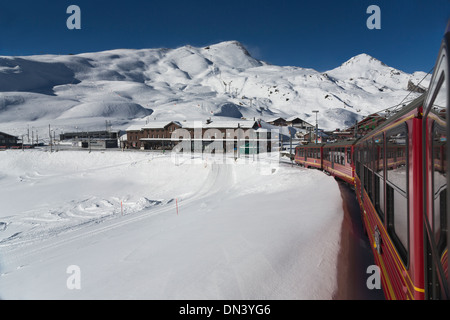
{"points": [[50, 136], [317, 126], [238, 141], [290, 146]]}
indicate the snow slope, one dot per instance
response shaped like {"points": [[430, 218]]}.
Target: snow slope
{"points": [[187, 83], [239, 233]]}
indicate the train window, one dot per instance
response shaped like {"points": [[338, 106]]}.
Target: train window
{"points": [[378, 152], [379, 196], [397, 172], [349, 155], [439, 163], [364, 155], [368, 174], [369, 146], [370, 183], [360, 162], [397, 212], [357, 164], [379, 155], [365, 178], [396, 188], [318, 153]]}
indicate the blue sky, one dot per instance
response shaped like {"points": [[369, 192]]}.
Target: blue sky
{"points": [[317, 34]]}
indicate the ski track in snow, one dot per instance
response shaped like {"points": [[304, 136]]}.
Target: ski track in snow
{"points": [[242, 263]]}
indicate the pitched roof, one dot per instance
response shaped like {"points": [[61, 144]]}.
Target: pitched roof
{"points": [[134, 127], [159, 124], [152, 125], [295, 117], [232, 124], [7, 135], [275, 118], [220, 124]]}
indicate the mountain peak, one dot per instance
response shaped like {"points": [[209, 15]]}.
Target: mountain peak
{"points": [[362, 66], [363, 59], [229, 43], [232, 53]]}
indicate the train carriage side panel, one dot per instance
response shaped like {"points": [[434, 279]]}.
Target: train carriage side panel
{"points": [[383, 172], [415, 186], [338, 160], [309, 156], [436, 130]]}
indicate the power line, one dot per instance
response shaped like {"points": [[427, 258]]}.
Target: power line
{"points": [[394, 107]]}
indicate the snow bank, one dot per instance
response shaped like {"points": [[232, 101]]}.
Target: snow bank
{"points": [[185, 231]]}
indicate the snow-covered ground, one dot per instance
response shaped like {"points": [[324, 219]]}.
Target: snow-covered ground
{"points": [[140, 226]]}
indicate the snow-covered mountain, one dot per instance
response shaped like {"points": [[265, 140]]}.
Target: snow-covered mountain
{"points": [[127, 86]]}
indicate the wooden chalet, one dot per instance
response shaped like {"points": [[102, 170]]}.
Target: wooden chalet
{"points": [[278, 121], [299, 123], [8, 141]]}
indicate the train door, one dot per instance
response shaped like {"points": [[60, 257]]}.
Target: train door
{"points": [[436, 201]]}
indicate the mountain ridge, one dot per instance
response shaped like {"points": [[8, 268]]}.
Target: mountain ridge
{"points": [[126, 86]]}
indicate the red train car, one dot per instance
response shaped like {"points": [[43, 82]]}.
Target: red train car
{"points": [[436, 129], [388, 184], [337, 160], [309, 155], [400, 175]]}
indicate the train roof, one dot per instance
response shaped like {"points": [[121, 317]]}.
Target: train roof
{"points": [[341, 143], [310, 145], [414, 105]]}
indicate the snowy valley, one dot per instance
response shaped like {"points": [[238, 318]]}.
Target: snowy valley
{"points": [[139, 225]]}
